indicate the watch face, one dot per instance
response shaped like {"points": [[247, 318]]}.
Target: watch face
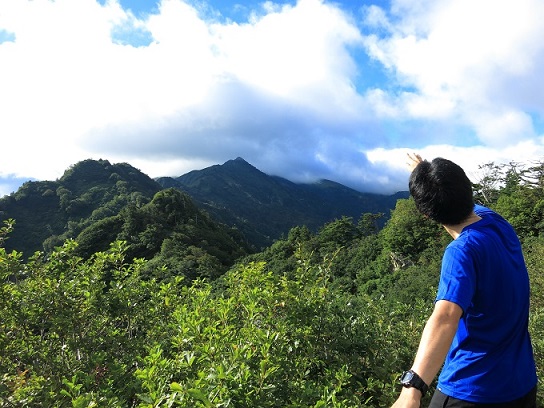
{"points": [[411, 379], [406, 376]]}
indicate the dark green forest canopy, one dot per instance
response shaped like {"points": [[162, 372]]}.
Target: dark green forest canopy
{"points": [[49, 212], [95, 203]]}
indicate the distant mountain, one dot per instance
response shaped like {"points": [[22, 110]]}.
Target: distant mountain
{"points": [[96, 203], [87, 192], [265, 208]]}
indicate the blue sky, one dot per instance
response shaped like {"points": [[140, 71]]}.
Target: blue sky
{"points": [[304, 89]]}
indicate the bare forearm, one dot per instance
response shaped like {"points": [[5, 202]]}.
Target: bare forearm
{"points": [[434, 345]]}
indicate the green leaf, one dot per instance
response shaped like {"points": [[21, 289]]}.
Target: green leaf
{"points": [[176, 387], [199, 396]]}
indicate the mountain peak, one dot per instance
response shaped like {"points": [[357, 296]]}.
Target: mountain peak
{"points": [[238, 161], [240, 164]]}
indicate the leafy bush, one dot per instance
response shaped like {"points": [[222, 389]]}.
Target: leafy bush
{"points": [[82, 332]]}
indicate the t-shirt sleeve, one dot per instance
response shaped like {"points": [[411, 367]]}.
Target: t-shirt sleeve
{"points": [[457, 278]]}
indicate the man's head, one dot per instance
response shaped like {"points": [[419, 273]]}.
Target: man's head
{"points": [[442, 191]]}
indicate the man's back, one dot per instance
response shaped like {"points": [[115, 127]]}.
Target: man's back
{"points": [[483, 271]]}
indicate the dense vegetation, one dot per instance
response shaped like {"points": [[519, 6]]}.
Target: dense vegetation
{"points": [[96, 203], [319, 319], [49, 212]]}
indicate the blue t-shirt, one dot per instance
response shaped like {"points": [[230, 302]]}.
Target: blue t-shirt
{"points": [[483, 271]]}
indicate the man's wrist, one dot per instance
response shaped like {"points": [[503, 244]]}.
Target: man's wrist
{"points": [[410, 379], [412, 393]]}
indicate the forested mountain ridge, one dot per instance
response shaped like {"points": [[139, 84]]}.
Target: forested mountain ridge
{"points": [[48, 212], [97, 203], [260, 207], [266, 207]]}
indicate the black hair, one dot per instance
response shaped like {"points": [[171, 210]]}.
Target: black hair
{"points": [[442, 191]]}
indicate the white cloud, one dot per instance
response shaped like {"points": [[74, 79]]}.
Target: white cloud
{"points": [[455, 57], [291, 49], [68, 83], [179, 89], [500, 128], [470, 158]]}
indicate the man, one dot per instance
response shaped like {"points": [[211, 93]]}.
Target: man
{"points": [[478, 330]]}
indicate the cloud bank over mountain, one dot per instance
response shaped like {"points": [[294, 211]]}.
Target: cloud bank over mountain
{"points": [[305, 90]]}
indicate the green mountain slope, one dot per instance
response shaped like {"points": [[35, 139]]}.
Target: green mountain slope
{"points": [[47, 212], [266, 207], [96, 203]]}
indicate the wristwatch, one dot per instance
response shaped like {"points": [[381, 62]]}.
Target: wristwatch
{"points": [[411, 379]]}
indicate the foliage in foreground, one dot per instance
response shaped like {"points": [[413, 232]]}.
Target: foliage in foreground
{"points": [[94, 333]]}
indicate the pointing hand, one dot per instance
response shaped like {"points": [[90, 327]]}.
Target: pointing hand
{"points": [[413, 160]]}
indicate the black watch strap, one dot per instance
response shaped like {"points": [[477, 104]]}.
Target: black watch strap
{"points": [[411, 379]]}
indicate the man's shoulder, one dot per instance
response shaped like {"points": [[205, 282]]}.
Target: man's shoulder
{"points": [[490, 215], [481, 210]]}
